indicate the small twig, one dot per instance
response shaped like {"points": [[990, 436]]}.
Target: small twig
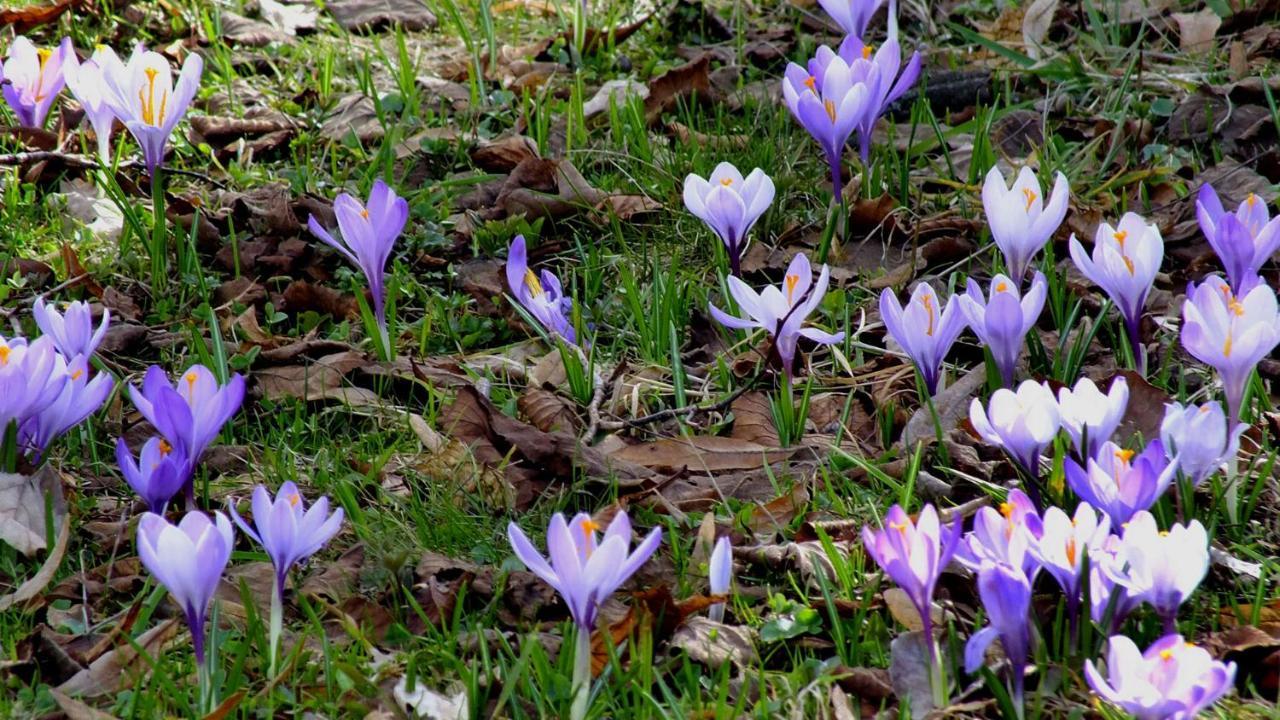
{"points": [[671, 413], [87, 163]]}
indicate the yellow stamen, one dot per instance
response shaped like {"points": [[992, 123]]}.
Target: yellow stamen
{"points": [[588, 526], [867, 50], [531, 281], [1006, 509], [811, 82], [1030, 196], [1166, 655], [1251, 200], [77, 374], [44, 54], [1226, 347], [1164, 533], [294, 499], [792, 281], [900, 527], [165, 447], [1071, 550], [4, 354], [1121, 236], [1124, 456], [831, 109], [364, 213], [726, 181], [1204, 408], [927, 301], [1002, 287], [1127, 263]]}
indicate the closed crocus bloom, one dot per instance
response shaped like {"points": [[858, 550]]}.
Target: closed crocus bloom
{"points": [[852, 16], [1006, 596], [1063, 545], [1119, 482], [72, 331], [1003, 535], [721, 575], [543, 297], [81, 396], [925, 329], [730, 205], [367, 235], [158, 474], [1230, 333], [1090, 417], [1124, 264], [33, 78], [830, 105], [1109, 599], [191, 412], [1022, 423], [188, 559], [1244, 240], [1163, 568], [1020, 218], [882, 65], [1172, 680], [286, 528], [87, 84], [32, 376], [1200, 438], [782, 310], [914, 554], [1003, 321], [146, 99]]}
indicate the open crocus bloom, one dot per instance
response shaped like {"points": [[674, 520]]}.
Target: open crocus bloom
{"points": [[189, 413], [730, 205], [1172, 680], [1199, 436], [145, 98], [830, 104], [1109, 599], [542, 297], [925, 329], [1162, 568], [1006, 596], [584, 567], [32, 376], [1065, 542], [1090, 417], [188, 559], [1124, 263], [1120, 483], [880, 66], [81, 396], [1002, 323], [33, 78], [780, 311], [286, 529], [1230, 333], [914, 554], [158, 474], [72, 331], [852, 16], [1244, 240], [1021, 221], [1021, 422], [721, 575], [87, 84], [1003, 535]]}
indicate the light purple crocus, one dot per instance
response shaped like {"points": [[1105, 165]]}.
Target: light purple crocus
{"points": [[188, 559], [1230, 333], [914, 554], [831, 104], [1162, 568], [925, 329], [143, 95], [542, 296], [720, 573], [1002, 323], [1119, 482], [730, 205], [81, 396], [1124, 263], [1006, 597], [852, 16], [32, 377], [1003, 535], [158, 474], [1110, 602], [286, 529], [1090, 417], [87, 84], [1022, 422], [72, 331], [1021, 221], [1173, 680], [1065, 543], [782, 310], [1200, 437], [32, 79], [1244, 240], [881, 68]]}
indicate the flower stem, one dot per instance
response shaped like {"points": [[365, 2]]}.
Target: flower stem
{"points": [[277, 625], [581, 675], [1135, 343], [159, 257]]}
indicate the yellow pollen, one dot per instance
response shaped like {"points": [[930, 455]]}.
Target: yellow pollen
{"points": [[294, 499], [726, 182], [4, 354], [77, 374], [1030, 196], [1236, 307], [191, 378], [1124, 456], [811, 82], [1121, 236], [44, 54], [831, 109], [152, 115], [1127, 263], [165, 447], [927, 301], [531, 281], [1006, 509], [1226, 346], [1002, 287], [1204, 408], [900, 527], [588, 526], [1251, 200], [1071, 550], [1166, 655], [792, 281], [364, 213], [1164, 533], [867, 50]]}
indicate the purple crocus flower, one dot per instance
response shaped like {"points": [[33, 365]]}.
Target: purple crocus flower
{"points": [[1244, 240], [87, 84], [729, 205], [32, 377], [1090, 417], [1120, 484], [1124, 263], [72, 331], [831, 104], [1063, 545], [1006, 596], [158, 474], [146, 99], [1021, 422], [81, 397], [780, 311], [286, 529], [368, 235], [542, 296], [1200, 438], [1021, 221], [1162, 568], [585, 568], [1002, 323], [188, 559], [1229, 333], [1003, 536], [852, 16], [925, 334], [1173, 680], [721, 575], [1105, 594], [33, 78], [914, 554], [881, 67]]}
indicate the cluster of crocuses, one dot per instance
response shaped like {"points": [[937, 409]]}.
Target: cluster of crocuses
{"points": [[140, 94], [48, 385]]}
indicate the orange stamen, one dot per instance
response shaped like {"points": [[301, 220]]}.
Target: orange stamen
{"points": [[531, 280], [4, 354], [1030, 196], [867, 50], [1002, 287], [726, 182], [165, 447], [792, 281], [831, 109], [927, 301]]}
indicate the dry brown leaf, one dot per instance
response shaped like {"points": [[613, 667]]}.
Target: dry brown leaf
{"points": [[753, 420], [504, 154], [371, 15], [703, 453], [323, 379], [1035, 25], [1196, 30], [713, 644], [36, 583], [119, 668], [678, 85], [25, 19], [76, 710], [548, 411], [22, 508]]}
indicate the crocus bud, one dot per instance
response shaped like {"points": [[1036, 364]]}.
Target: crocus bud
{"points": [[1090, 417], [1022, 423], [925, 329], [1124, 263], [1198, 435], [72, 331], [1003, 321], [1244, 240], [730, 205], [1020, 219], [721, 575], [32, 79]]}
